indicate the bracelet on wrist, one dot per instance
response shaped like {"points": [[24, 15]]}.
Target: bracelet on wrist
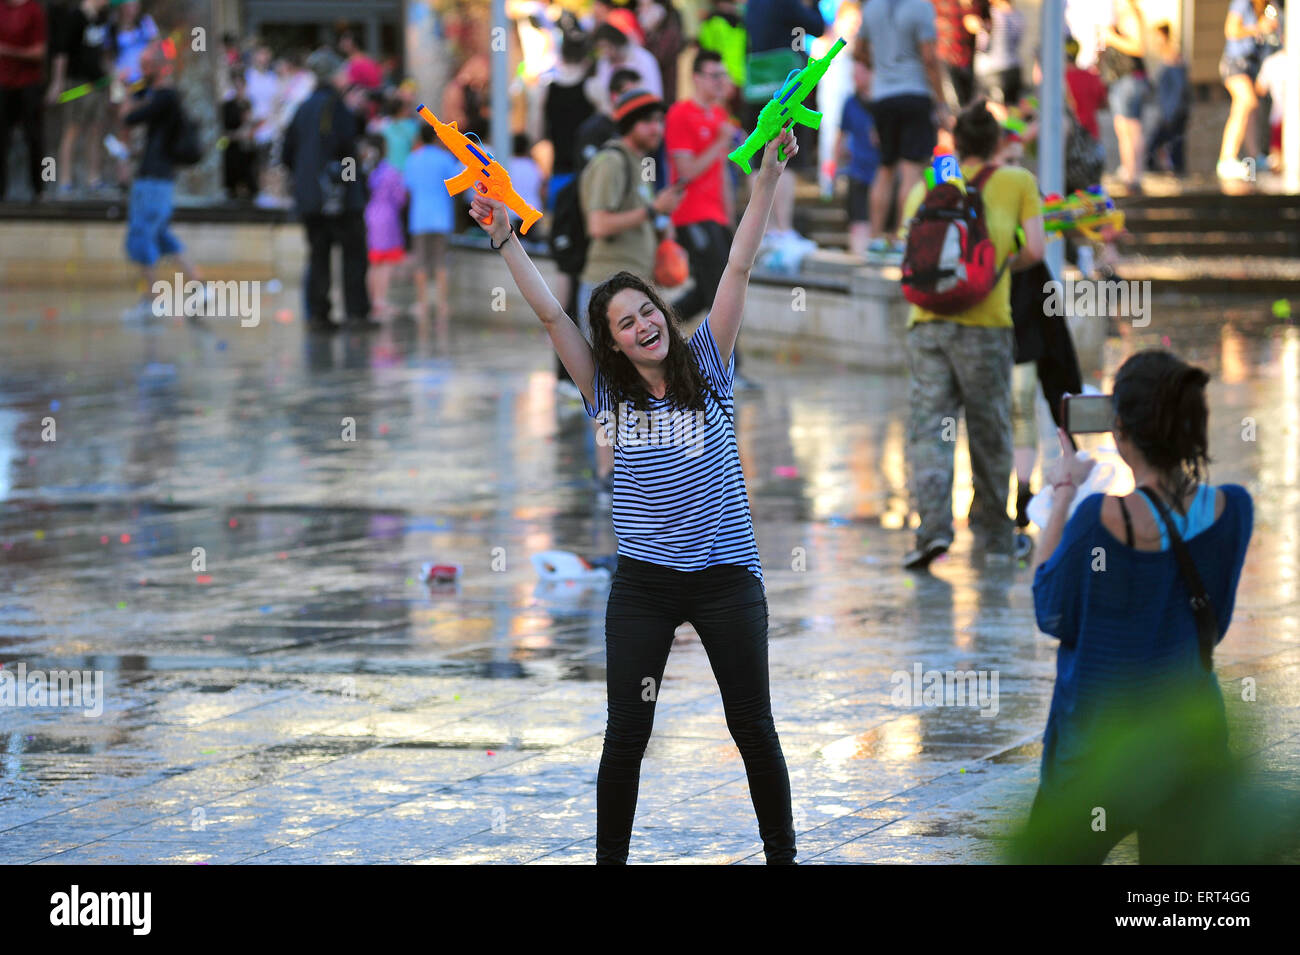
{"points": [[498, 248]]}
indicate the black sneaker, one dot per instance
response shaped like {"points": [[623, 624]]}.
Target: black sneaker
{"points": [[921, 558], [1023, 496], [321, 326], [360, 325]]}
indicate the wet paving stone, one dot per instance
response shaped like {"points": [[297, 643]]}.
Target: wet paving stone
{"points": [[280, 688]]}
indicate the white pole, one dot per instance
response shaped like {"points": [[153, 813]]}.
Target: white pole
{"points": [[500, 82], [1051, 135], [1291, 114]]}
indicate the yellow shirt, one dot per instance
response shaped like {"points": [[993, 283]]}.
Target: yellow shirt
{"points": [[1010, 198]]}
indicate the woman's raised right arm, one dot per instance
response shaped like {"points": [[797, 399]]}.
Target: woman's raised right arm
{"points": [[569, 344]]}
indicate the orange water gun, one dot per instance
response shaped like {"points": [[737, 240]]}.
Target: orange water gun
{"points": [[482, 171]]}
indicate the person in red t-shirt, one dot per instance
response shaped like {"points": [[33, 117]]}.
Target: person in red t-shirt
{"points": [[362, 70], [957, 22], [698, 134], [23, 38], [1087, 91]]}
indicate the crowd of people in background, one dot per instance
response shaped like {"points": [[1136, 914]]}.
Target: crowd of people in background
{"points": [[916, 64]]}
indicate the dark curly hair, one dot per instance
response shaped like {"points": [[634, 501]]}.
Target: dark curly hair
{"points": [[1160, 406], [686, 383], [976, 133]]}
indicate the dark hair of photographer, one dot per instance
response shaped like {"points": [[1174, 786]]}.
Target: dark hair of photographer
{"points": [[1160, 411], [977, 132]]}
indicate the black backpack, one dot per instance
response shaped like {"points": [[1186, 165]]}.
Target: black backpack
{"points": [[184, 149], [569, 240]]}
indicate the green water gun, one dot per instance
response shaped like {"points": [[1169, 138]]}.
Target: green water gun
{"points": [[786, 107]]}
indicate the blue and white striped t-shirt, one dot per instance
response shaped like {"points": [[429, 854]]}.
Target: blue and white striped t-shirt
{"points": [[679, 493]]}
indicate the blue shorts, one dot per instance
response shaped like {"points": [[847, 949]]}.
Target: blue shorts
{"points": [[1127, 94], [148, 233]]}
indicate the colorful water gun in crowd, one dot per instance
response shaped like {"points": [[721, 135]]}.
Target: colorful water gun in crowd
{"points": [[482, 171], [1090, 212], [168, 48], [786, 107], [944, 168]]}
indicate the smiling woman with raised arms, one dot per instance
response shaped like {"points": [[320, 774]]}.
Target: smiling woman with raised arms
{"points": [[686, 549]]}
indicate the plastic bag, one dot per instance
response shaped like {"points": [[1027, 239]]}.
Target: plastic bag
{"points": [[1110, 475], [672, 267]]}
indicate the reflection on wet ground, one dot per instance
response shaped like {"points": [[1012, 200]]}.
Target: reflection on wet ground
{"points": [[229, 524]]}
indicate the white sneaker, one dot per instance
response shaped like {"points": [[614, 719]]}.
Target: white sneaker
{"points": [[1232, 169]]}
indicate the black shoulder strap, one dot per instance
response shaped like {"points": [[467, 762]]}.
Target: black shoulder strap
{"points": [[1128, 522], [631, 168], [1207, 627]]}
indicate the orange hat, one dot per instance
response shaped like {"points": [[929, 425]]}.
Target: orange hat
{"points": [[632, 105]]}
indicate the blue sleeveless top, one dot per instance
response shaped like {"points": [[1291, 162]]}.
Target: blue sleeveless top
{"points": [[1199, 516]]}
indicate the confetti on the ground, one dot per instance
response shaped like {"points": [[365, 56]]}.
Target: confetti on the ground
{"points": [[383, 429], [40, 535], [282, 555], [121, 605], [208, 638], [125, 538], [103, 538], [908, 582], [785, 471], [1164, 340], [490, 753], [1281, 308], [221, 346], [51, 313], [265, 608], [284, 316], [233, 522], [203, 579], [54, 404]]}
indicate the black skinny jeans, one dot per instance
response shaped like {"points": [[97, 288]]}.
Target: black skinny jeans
{"points": [[728, 609]]}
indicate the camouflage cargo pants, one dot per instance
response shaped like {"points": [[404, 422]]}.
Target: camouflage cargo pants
{"points": [[955, 368]]}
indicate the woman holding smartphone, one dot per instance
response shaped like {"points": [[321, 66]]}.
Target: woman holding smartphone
{"points": [[1137, 718], [681, 512]]}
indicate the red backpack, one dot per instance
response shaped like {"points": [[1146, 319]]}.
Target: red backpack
{"points": [[950, 264]]}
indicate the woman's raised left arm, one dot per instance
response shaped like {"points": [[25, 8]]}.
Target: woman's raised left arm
{"points": [[729, 300]]}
